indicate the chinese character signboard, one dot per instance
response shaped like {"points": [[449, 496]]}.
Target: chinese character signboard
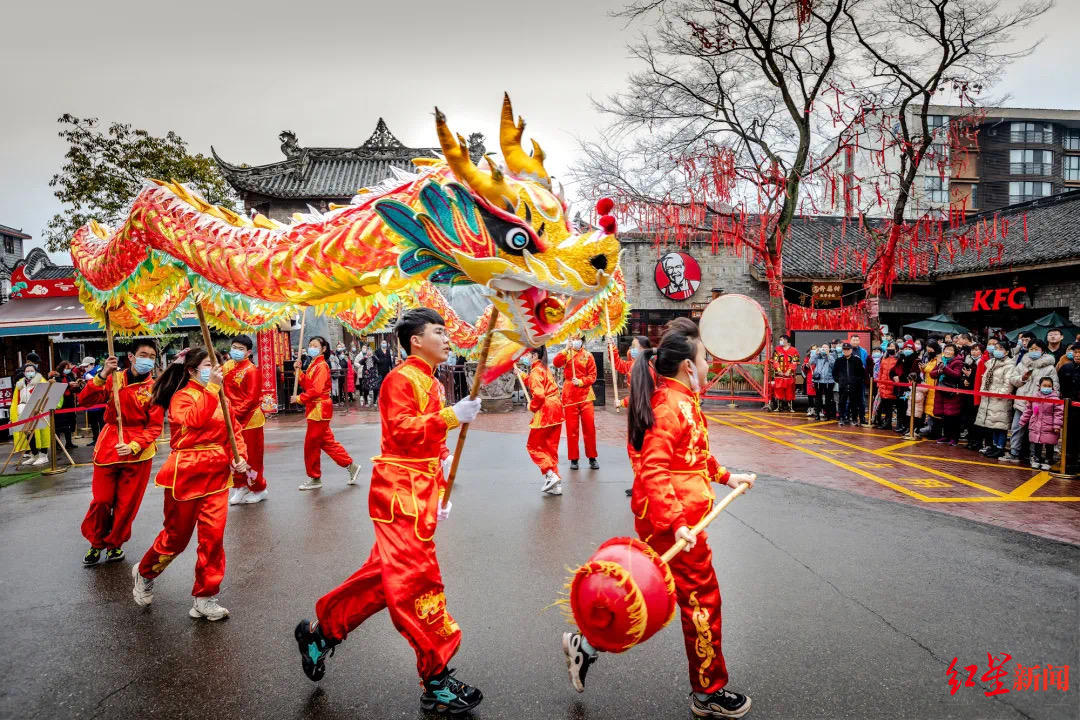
{"points": [[827, 291], [677, 275]]}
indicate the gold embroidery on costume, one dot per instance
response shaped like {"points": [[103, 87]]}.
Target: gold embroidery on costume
{"points": [[703, 648], [144, 393], [162, 563], [687, 410], [430, 607], [421, 384]]}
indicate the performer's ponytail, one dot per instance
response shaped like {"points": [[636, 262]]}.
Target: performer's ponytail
{"points": [[679, 343], [176, 376]]}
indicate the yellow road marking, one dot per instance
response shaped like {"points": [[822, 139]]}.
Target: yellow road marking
{"points": [[1029, 488], [900, 460], [999, 466], [899, 446], [861, 434], [1006, 498], [926, 482]]}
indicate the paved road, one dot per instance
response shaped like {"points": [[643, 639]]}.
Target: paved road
{"points": [[837, 605]]}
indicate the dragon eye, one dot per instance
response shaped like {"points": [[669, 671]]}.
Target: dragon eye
{"points": [[517, 239]]}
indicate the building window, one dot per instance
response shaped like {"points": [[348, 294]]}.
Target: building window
{"points": [[9, 244], [937, 190], [1031, 162], [1030, 132], [1072, 140], [973, 198], [1023, 191], [1072, 168]]}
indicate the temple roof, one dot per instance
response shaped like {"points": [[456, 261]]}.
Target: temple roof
{"points": [[322, 172]]}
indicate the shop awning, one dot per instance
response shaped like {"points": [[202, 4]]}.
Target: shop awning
{"points": [[1045, 324], [938, 324], [49, 316]]}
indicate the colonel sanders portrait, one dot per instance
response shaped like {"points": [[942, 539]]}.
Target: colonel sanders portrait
{"points": [[678, 286]]}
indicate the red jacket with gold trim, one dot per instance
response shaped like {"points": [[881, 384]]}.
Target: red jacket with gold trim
{"points": [[199, 463], [406, 478], [544, 401], [577, 364], [315, 382], [673, 483], [143, 421], [244, 391], [785, 361]]}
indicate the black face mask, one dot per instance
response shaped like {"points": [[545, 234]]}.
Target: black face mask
{"points": [[891, 352], [931, 353]]}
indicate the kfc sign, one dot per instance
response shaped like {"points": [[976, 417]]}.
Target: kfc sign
{"points": [[1014, 299], [677, 276]]}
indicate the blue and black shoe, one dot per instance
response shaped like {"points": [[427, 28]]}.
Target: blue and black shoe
{"points": [[446, 694], [314, 649]]}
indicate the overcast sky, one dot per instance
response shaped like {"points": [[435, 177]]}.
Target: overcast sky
{"points": [[234, 73]]}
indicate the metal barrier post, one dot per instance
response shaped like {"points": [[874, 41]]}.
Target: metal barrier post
{"points": [[1063, 469], [911, 413], [53, 470]]}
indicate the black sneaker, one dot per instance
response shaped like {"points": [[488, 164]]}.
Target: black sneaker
{"points": [[593, 465], [444, 693], [314, 649], [573, 465], [721, 704], [577, 660], [629, 492], [114, 554], [92, 556]]}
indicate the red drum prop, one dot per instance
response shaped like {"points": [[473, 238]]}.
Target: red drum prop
{"points": [[734, 328], [625, 593]]}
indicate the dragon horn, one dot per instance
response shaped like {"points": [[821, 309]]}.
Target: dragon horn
{"points": [[492, 188], [520, 162]]}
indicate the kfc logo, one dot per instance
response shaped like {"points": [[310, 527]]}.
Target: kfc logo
{"points": [[677, 275]]}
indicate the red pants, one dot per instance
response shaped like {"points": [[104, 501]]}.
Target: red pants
{"points": [[401, 575], [320, 437], [253, 438], [785, 389], [118, 492], [181, 517], [580, 413], [543, 447], [698, 595]]}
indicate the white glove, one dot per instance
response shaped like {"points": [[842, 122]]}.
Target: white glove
{"points": [[467, 409], [444, 511], [683, 533], [446, 466], [578, 382], [738, 478]]}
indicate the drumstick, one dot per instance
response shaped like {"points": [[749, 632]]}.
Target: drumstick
{"points": [[678, 546], [521, 379], [300, 350], [115, 381], [221, 391], [611, 351]]}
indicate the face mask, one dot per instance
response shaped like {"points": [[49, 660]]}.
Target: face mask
{"points": [[931, 353], [237, 355], [313, 352], [341, 348], [877, 354], [204, 375], [68, 370], [1046, 390], [1069, 354], [576, 344], [30, 374], [1035, 354], [382, 346], [918, 348], [143, 365], [999, 354], [783, 343], [891, 351], [908, 352], [839, 350], [634, 352]]}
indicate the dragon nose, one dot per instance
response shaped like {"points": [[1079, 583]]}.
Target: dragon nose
{"points": [[599, 262]]}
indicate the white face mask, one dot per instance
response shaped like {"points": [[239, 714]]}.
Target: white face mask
{"points": [[694, 384], [576, 344], [30, 374]]}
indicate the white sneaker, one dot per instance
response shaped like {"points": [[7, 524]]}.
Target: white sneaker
{"points": [[312, 484], [1045, 466], [254, 497], [208, 608], [42, 459], [810, 412], [143, 590], [353, 471], [557, 490], [551, 482], [238, 495], [1034, 464], [26, 457]]}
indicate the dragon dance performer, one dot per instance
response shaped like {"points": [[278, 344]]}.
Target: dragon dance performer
{"points": [[318, 409], [121, 469], [402, 573], [672, 493], [196, 478], [579, 374], [242, 388], [546, 425], [785, 363]]}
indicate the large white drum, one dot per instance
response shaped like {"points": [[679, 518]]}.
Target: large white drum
{"points": [[734, 328]]}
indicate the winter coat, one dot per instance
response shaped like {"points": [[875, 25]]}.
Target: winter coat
{"points": [[1043, 367], [949, 404], [821, 367], [924, 397], [887, 390], [996, 413], [1043, 420], [849, 372], [1069, 375], [350, 377]]}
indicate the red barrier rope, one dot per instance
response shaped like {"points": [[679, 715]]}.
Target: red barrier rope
{"points": [[980, 393], [23, 421]]}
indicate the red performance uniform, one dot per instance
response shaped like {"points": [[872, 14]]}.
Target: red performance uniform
{"points": [[578, 401], [785, 362], [196, 476], [242, 388], [120, 482], [318, 409], [623, 366], [546, 425], [673, 488], [402, 573]]}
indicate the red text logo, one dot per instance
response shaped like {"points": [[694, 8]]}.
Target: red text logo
{"points": [[992, 299]]}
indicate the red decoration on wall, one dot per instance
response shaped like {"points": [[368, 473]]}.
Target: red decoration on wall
{"points": [[852, 317], [24, 287], [267, 370]]}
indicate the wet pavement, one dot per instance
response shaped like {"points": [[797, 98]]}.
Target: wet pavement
{"points": [[844, 597]]}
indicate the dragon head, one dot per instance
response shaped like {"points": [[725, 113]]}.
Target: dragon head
{"points": [[502, 227]]}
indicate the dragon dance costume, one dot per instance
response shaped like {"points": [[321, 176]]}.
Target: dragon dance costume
{"points": [[119, 482], [578, 400], [546, 425], [785, 363], [318, 409], [242, 389]]}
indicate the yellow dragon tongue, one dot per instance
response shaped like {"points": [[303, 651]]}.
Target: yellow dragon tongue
{"points": [[551, 310]]}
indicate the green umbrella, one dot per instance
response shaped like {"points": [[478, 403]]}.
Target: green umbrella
{"points": [[1047, 323], [938, 324]]}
